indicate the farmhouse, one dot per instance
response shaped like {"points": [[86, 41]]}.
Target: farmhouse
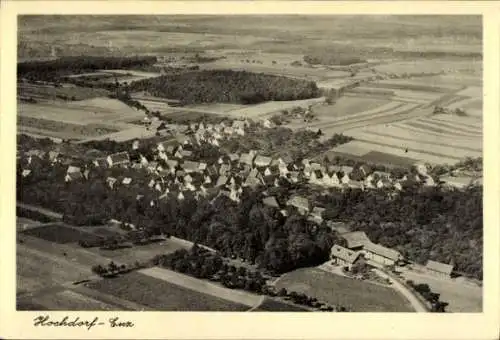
{"points": [[344, 257], [356, 240], [439, 269], [381, 254], [120, 158]]}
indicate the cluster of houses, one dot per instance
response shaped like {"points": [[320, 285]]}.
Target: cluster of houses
{"points": [[359, 246]]}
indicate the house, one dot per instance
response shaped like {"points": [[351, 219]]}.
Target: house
{"points": [[356, 240], [383, 183], [398, 186], [346, 169], [356, 185], [293, 176], [271, 201], [26, 172], [316, 177], [120, 158], [317, 214], [253, 181], [331, 179], [111, 182], [268, 172], [307, 170], [186, 153], [239, 124], [224, 169], [439, 269], [429, 181], [135, 144], [344, 257], [180, 196], [73, 169], [101, 162], [73, 176], [233, 157], [53, 156], [380, 254], [190, 166], [127, 180], [345, 179], [365, 169], [228, 130], [300, 203], [247, 158], [262, 161], [268, 124]]}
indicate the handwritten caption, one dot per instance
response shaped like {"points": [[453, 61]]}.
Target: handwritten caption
{"points": [[46, 321]]}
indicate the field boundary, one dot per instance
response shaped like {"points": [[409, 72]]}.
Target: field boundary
{"points": [[202, 286]]}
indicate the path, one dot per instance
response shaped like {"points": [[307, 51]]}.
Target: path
{"points": [[415, 302], [43, 211]]}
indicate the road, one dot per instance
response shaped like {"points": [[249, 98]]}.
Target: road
{"points": [[43, 211], [415, 302]]}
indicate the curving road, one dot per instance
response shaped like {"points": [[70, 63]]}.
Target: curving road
{"points": [[414, 301]]}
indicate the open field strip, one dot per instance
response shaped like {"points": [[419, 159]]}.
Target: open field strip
{"points": [[348, 105], [76, 255], [434, 129], [462, 121], [471, 91], [400, 115], [121, 304], [37, 269], [453, 126], [464, 103], [339, 290], [259, 110], [477, 113], [411, 84], [406, 135], [352, 148], [138, 132], [143, 74], [358, 118], [417, 146], [40, 133], [474, 103], [69, 300], [410, 100], [370, 146], [140, 252], [156, 106], [216, 107], [435, 134], [389, 107], [202, 286], [162, 295], [427, 96]]}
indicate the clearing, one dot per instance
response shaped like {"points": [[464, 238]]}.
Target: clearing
{"points": [[161, 295], [338, 290]]}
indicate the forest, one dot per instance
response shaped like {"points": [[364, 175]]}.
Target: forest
{"points": [[52, 70], [226, 86]]}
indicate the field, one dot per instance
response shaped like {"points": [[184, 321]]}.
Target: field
{"points": [[348, 105], [46, 92], [70, 300], [91, 118], [38, 270], [462, 297], [61, 234], [272, 305], [205, 287], [162, 295], [338, 290]]}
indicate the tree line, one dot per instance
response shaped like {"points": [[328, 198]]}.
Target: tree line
{"points": [[52, 70], [226, 86]]}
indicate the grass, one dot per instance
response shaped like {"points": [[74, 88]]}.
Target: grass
{"points": [[381, 157], [69, 300], [38, 270], [61, 234], [66, 128], [346, 106], [161, 295], [45, 92], [272, 305], [338, 290]]}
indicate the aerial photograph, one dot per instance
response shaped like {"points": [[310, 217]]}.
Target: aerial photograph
{"points": [[250, 163]]}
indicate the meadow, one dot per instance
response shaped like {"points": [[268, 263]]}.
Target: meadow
{"points": [[339, 290]]}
